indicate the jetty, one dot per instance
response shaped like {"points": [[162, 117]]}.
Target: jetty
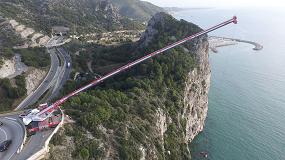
{"points": [[216, 42]]}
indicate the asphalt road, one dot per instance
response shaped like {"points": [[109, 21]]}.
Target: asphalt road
{"points": [[33, 145], [36, 142], [65, 72], [11, 130], [32, 98]]}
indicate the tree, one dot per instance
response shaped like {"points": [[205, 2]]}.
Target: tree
{"points": [[8, 52], [84, 153], [20, 81]]}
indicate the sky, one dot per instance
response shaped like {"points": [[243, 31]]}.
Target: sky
{"points": [[218, 3]]}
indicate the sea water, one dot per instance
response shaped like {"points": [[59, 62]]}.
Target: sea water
{"points": [[246, 117]]}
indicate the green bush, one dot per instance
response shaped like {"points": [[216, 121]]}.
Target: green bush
{"points": [[84, 153], [35, 57], [127, 104], [9, 93]]}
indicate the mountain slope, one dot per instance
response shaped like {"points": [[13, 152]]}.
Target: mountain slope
{"points": [[136, 9], [80, 15]]}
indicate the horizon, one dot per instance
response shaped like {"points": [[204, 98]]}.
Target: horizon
{"points": [[218, 3]]}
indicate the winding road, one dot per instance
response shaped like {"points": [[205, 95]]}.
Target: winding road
{"points": [[13, 130], [37, 141], [44, 86], [51, 77]]}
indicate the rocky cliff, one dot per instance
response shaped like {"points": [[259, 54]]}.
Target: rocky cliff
{"points": [[194, 101], [151, 112], [195, 97]]}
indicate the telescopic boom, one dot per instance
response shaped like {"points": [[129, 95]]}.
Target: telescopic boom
{"points": [[42, 115]]}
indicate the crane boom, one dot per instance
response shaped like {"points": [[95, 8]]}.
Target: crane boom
{"points": [[45, 112]]}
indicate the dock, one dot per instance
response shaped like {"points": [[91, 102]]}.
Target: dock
{"points": [[256, 45]]}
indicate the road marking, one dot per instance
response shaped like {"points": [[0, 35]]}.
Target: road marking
{"points": [[17, 124], [4, 133], [10, 118]]}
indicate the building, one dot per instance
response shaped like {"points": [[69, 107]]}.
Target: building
{"points": [[60, 31]]}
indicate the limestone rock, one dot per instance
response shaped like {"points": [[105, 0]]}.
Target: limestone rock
{"points": [[8, 68], [33, 79]]}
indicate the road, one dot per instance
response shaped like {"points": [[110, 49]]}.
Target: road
{"points": [[36, 142], [11, 129], [65, 72], [33, 145], [32, 98]]}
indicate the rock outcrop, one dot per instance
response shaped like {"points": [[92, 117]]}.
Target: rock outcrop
{"points": [[111, 12], [33, 79], [8, 68], [31, 37]]}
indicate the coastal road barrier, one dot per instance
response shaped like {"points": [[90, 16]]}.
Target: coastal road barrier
{"points": [[25, 136]]}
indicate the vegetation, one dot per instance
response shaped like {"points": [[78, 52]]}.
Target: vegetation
{"points": [[80, 16], [126, 105], [137, 9], [8, 39], [10, 93], [7, 53], [35, 57]]}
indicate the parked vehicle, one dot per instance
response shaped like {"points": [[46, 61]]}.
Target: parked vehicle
{"points": [[5, 145]]}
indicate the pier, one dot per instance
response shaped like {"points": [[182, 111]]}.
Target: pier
{"points": [[232, 41]]}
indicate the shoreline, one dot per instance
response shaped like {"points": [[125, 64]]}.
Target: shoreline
{"points": [[216, 42]]}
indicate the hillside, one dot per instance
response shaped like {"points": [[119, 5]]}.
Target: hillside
{"points": [[136, 9], [80, 15], [153, 111]]}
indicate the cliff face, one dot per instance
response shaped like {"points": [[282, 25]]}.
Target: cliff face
{"points": [[195, 98], [194, 101], [194, 105]]}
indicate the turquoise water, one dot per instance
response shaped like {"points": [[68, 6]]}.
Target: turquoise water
{"points": [[246, 118]]}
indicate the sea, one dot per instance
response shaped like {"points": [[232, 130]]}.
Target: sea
{"points": [[246, 117]]}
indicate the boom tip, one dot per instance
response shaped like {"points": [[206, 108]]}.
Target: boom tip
{"points": [[235, 19]]}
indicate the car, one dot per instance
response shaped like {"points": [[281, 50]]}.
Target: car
{"points": [[22, 115], [5, 145]]}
